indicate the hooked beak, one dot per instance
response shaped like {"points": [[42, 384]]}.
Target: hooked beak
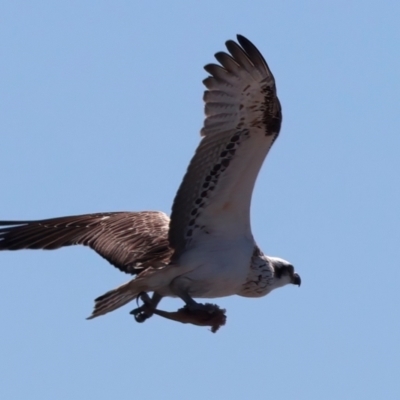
{"points": [[296, 279]]}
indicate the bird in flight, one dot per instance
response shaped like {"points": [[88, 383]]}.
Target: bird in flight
{"points": [[206, 248]]}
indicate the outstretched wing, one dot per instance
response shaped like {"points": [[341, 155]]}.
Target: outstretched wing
{"points": [[243, 119], [131, 241]]}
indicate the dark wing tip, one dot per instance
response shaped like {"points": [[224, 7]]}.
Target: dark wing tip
{"points": [[252, 51], [244, 42]]}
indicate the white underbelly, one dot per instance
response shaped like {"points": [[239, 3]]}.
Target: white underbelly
{"points": [[216, 270]]}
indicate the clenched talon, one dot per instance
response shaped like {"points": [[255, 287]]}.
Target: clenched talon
{"points": [[141, 317], [144, 297], [145, 311], [140, 314]]}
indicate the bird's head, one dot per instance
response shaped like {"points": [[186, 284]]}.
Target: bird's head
{"points": [[284, 273]]}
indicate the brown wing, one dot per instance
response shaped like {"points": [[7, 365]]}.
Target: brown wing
{"points": [[243, 119], [131, 241]]}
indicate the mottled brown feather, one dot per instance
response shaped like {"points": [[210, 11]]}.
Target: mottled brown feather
{"points": [[131, 241]]}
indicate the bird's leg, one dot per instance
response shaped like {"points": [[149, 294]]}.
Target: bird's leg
{"points": [[191, 304], [147, 309]]}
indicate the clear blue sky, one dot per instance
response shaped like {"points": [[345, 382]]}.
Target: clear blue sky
{"points": [[100, 109]]}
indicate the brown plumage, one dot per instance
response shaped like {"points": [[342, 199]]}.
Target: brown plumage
{"points": [[131, 241]]}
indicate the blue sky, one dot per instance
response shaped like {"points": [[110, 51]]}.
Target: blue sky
{"points": [[100, 110]]}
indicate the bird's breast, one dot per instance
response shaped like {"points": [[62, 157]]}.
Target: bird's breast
{"points": [[217, 269]]}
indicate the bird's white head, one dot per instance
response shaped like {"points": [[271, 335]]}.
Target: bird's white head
{"points": [[284, 273]]}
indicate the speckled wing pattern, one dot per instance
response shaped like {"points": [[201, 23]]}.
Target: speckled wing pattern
{"points": [[243, 119], [131, 241]]}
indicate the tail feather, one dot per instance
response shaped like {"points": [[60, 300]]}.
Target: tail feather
{"points": [[149, 280], [112, 300]]}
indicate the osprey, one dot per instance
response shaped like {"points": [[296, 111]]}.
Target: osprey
{"points": [[206, 249]]}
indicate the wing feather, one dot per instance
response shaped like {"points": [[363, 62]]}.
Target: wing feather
{"points": [[243, 118], [131, 241]]}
